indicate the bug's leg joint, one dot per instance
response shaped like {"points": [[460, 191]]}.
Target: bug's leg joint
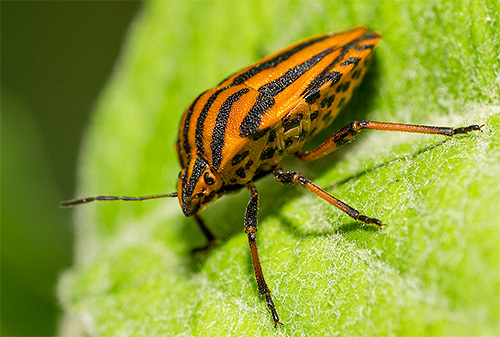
{"points": [[361, 124], [250, 231], [348, 132], [354, 127], [289, 178]]}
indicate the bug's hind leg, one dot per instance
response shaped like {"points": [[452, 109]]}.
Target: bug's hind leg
{"points": [[294, 178], [348, 132], [211, 238]]}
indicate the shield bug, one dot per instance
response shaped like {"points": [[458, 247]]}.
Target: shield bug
{"points": [[241, 130]]}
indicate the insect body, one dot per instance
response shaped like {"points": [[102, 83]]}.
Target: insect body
{"points": [[242, 129]]}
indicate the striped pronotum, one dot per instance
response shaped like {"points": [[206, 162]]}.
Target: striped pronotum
{"points": [[242, 129]]}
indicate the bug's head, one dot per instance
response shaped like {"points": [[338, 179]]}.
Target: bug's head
{"points": [[198, 186]]}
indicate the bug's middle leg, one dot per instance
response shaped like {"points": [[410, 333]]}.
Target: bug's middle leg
{"points": [[251, 230], [294, 178]]}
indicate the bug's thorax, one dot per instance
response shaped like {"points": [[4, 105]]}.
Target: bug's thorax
{"points": [[198, 186]]}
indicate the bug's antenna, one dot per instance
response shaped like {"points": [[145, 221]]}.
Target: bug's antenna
{"points": [[76, 202]]}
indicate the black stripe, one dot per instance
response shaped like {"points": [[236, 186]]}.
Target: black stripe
{"points": [[278, 85], [275, 60], [184, 190], [370, 36], [220, 127], [200, 123], [265, 100], [333, 76], [184, 181], [350, 60], [366, 46], [185, 131], [321, 79], [251, 121], [198, 168]]}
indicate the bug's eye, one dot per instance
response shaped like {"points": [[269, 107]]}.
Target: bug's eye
{"points": [[209, 179]]}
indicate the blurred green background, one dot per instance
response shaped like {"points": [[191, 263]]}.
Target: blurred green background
{"points": [[55, 59]]}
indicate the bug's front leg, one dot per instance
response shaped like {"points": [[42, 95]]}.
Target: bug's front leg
{"points": [[294, 178], [251, 230]]}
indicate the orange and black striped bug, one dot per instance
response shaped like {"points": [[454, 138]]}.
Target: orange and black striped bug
{"points": [[242, 129]]}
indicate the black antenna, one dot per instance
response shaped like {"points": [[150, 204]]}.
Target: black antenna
{"points": [[76, 202]]}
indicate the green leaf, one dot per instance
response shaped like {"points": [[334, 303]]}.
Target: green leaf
{"points": [[432, 271]]}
